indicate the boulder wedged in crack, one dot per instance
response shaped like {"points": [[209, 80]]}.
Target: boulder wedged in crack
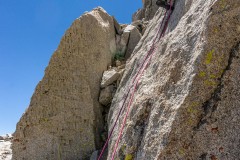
{"points": [[191, 87]]}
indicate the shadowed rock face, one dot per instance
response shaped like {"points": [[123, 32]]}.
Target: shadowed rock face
{"points": [[186, 105], [64, 118]]}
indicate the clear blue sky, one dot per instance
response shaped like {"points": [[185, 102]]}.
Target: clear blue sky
{"points": [[30, 31]]}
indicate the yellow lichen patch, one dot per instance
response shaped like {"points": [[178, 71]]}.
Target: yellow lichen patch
{"points": [[192, 110], [210, 83], [123, 147], [215, 30], [44, 120], [190, 121], [128, 157], [221, 58], [181, 151], [213, 76], [202, 74], [221, 72], [209, 57], [194, 104], [223, 3]]}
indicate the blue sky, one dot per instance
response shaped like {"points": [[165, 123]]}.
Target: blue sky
{"points": [[30, 31]]}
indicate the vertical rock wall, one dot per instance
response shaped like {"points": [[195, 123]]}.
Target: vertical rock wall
{"points": [[186, 105], [64, 118]]}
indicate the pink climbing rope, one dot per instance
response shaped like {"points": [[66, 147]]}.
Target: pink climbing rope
{"points": [[152, 49], [134, 90], [125, 97]]}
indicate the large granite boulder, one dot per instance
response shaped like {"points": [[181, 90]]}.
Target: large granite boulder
{"points": [[64, 119], [109, 77], [186, 105], [106, 95], [134, 38]]}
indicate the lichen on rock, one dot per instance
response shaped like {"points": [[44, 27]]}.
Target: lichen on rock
{"points": [[185, 104], [191, 87]]}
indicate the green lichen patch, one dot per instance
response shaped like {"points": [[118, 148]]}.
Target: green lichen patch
{"points": [[128, 157], [209, 57]]}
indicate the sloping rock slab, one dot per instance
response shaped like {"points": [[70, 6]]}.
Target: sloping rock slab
{"points": [[186, 105]]}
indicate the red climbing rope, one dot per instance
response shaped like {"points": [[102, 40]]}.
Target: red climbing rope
{"points": [[137, 76], [134, 90], [125, 96]]}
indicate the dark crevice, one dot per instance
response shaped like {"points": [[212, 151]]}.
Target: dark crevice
{"points": [[203, 156], [211, 104], [142, 122], [128, 45]]}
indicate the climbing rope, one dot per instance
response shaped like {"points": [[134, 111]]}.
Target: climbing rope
{"points": [[137, 76], [134, 90]]}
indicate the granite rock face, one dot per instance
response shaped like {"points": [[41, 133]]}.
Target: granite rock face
{"points": [[64, 118], [122, 42], [127, 41], [147, 12], [109, 77], [186, 105], [106, 95], [134, 38]]}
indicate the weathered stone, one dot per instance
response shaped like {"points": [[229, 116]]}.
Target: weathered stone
{"points": [[121, 67], [137, 23], [150, 9], [123, 26], [109, 77], [121, 72], [118, 39], [122, 42], [143, 30], [129, 28], [94, 155], [118, 63], [134, 38], [106, 95], [117, 26], [145, 25], [186, 104], [1, 138], [140, 26], [138, 15], [147, 12], [64, 118]]}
